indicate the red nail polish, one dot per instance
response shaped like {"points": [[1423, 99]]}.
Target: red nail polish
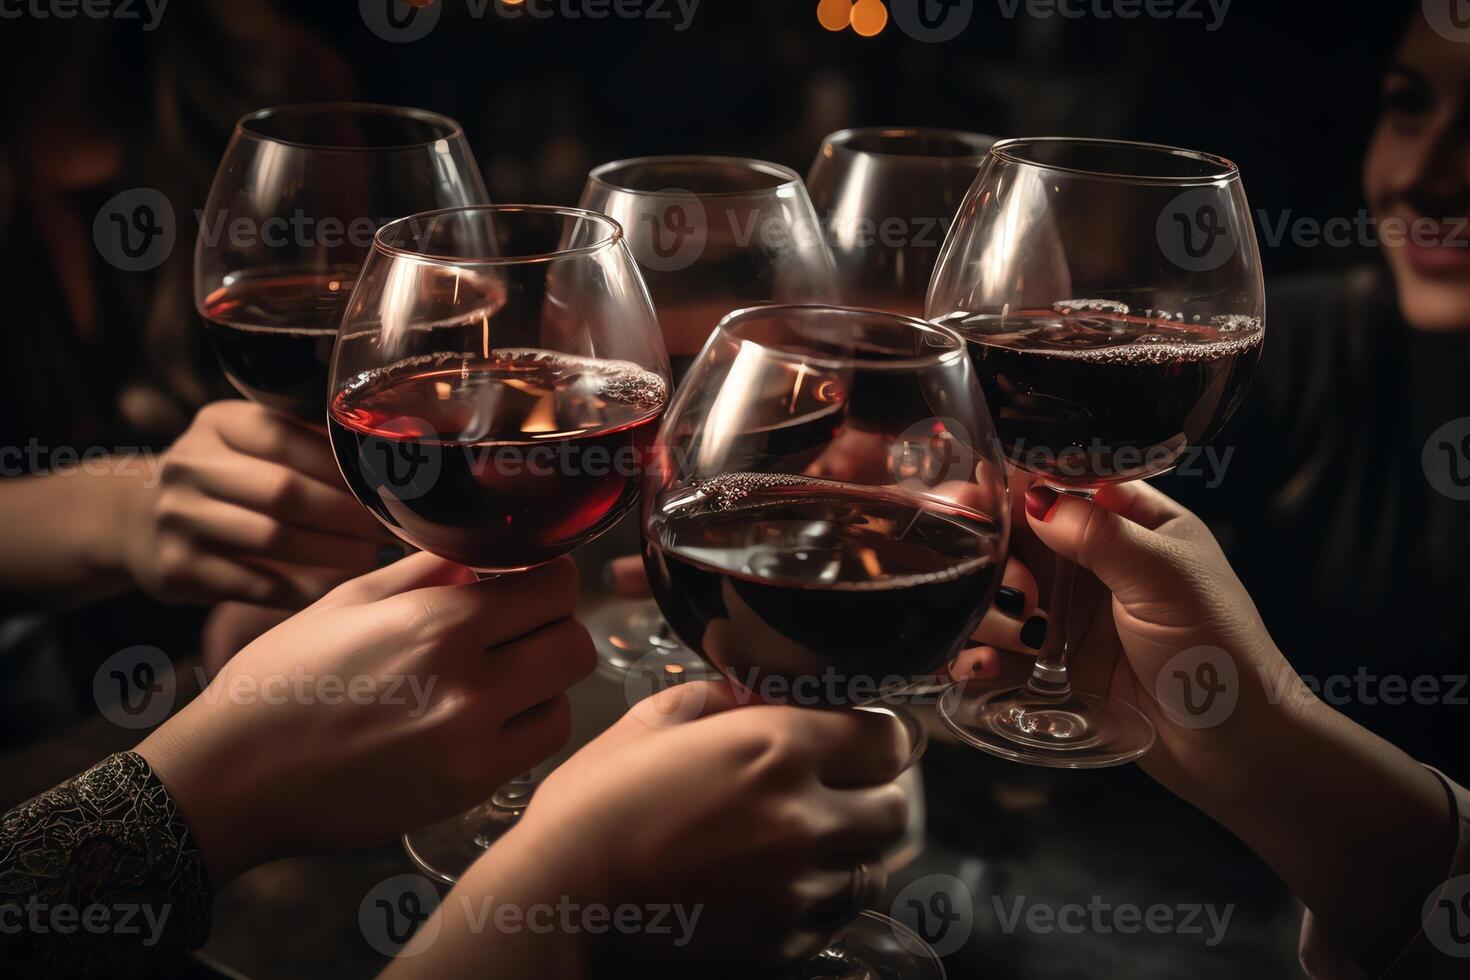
{"points": [[1041, 502]]}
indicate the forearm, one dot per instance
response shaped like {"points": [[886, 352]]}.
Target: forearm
{"points": [[64, 532], [500, 920], [99, 876], [1358, 830]]}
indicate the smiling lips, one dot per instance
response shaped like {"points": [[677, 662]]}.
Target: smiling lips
{"points": [[1442, 251]]}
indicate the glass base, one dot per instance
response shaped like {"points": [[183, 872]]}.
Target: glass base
{"points": [[445, 850], [873, 947], [1078, 731], [631, 633]]}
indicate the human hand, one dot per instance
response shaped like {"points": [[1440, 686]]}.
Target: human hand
{"points": [[249, 506], [1160, 586], [402, 696], [749, 822]]}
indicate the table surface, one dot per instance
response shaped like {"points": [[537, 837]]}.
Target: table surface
{"points": [[1037, 864]]}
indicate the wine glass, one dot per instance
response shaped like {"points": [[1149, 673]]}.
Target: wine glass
{"points": [[817, 590], [711, 234], [887, 197], [1112, 296], [289, 218], [495, 388]]}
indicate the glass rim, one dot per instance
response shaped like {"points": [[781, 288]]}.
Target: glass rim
{"points": [[958, 348], [451, 128], [614, 235], [787, 177], [1007, 150], [842, 140]]}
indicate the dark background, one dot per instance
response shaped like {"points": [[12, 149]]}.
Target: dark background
{"points": [[1286, 90]]}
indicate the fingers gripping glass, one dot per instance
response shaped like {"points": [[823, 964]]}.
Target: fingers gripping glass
{"points": [[496, 385], [1113, 300], [828, 516]]}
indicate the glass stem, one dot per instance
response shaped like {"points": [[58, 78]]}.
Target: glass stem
{"points": [[1049, 679]]}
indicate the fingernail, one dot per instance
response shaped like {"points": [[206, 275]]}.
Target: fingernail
{"points": [[1033, 634], [1041, 502], [1010, 601]]}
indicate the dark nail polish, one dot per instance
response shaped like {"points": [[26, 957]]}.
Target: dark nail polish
{"points": [[1010, 601], [1041, 502], [1033, 634]]}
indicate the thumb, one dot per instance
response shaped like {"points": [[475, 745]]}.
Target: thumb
{"points": [[1135, 563]]}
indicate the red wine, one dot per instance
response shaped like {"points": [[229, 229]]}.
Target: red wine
{"points": [[1087, 394], [498, 464], [273, 335], [838, 592]]}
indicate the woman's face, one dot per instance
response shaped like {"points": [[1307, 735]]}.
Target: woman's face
{"points": [[1417, 178]]}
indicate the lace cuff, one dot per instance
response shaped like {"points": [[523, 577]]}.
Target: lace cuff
{"points": [[99, 875]]}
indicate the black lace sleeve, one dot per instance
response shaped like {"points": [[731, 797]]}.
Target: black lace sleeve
{"points": [[98, 876]]}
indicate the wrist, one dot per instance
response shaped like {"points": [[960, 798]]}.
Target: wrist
{"points": [[213, 796], [121, 516]]}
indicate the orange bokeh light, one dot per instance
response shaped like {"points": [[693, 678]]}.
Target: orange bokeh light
{"points": [[834, 15], [869, 17]]}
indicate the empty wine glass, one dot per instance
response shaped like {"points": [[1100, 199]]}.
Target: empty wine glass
{"points": [[496, 385], [289, 218], [1113, 300], [887, 197], [711, 234], [827, 521]]}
